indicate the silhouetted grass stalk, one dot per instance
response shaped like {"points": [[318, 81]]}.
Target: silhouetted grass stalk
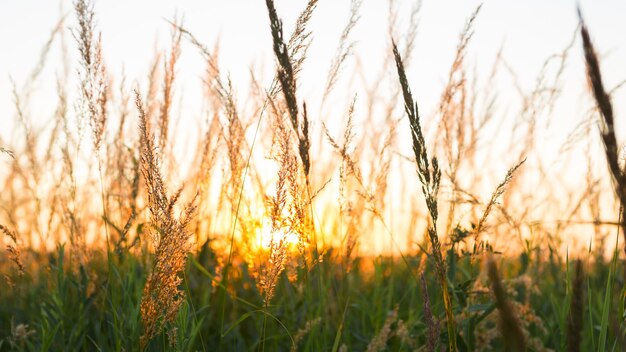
{"points": [[607, 131], [430, 179]]}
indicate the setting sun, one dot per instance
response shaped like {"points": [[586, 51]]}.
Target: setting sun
{"points": [[265, 237]]}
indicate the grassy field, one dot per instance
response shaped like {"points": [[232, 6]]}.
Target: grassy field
{"points": [[268, 242]]}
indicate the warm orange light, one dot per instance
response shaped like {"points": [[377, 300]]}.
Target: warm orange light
{"points": [[265, 236]]}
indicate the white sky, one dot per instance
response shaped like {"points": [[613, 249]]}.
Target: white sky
{"points": [[530, 31]]}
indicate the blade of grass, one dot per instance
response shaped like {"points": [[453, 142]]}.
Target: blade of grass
{"points": [[340, 328]]}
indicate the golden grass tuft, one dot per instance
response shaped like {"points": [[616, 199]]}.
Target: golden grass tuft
{"points": [[14, 254], [161, 297]]}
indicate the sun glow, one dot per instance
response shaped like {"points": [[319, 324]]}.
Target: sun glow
{"points": [[265, 236]]}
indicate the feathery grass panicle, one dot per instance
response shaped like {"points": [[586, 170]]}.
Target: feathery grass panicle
{"points": [[345, 151], [286, 75], [94, 88], [295, 50], [348, 167], [286, 166], [430, 179], [43, 58], [287, 79], [495, 195], [298, 45], [168, 87], [411, 34], [30, 136], [456, 117], [607, 132], [300, 220], [14, 253], [292, 198], [379, 342], [207, 159], [300, 39], [575, 315], [275, 266], [381, 178], [150, 99], [235, 139], [344, 49], [161, 297], [456, 76], [19, 335], [86, 28], [308, 326], [510, 328], [94, 83], [150, 166], [215, 83], [285, 212]]}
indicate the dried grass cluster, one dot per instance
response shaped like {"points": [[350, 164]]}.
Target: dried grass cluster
{"points": [[162, 296]]}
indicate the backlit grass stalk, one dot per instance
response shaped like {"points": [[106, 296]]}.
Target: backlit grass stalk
{"points": [[344, 49], [298, 46], [494, 197], [348, 167], [15, 255], [278, 205], [287, 79], [607, 131], [93, 87], [161, 297], [168, 88], [456, 111], [290, 57], [430, 178]]}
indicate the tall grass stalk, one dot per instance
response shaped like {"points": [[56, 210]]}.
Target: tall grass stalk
{"points": [[430, 179], [575, 316], [607, 130]]}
